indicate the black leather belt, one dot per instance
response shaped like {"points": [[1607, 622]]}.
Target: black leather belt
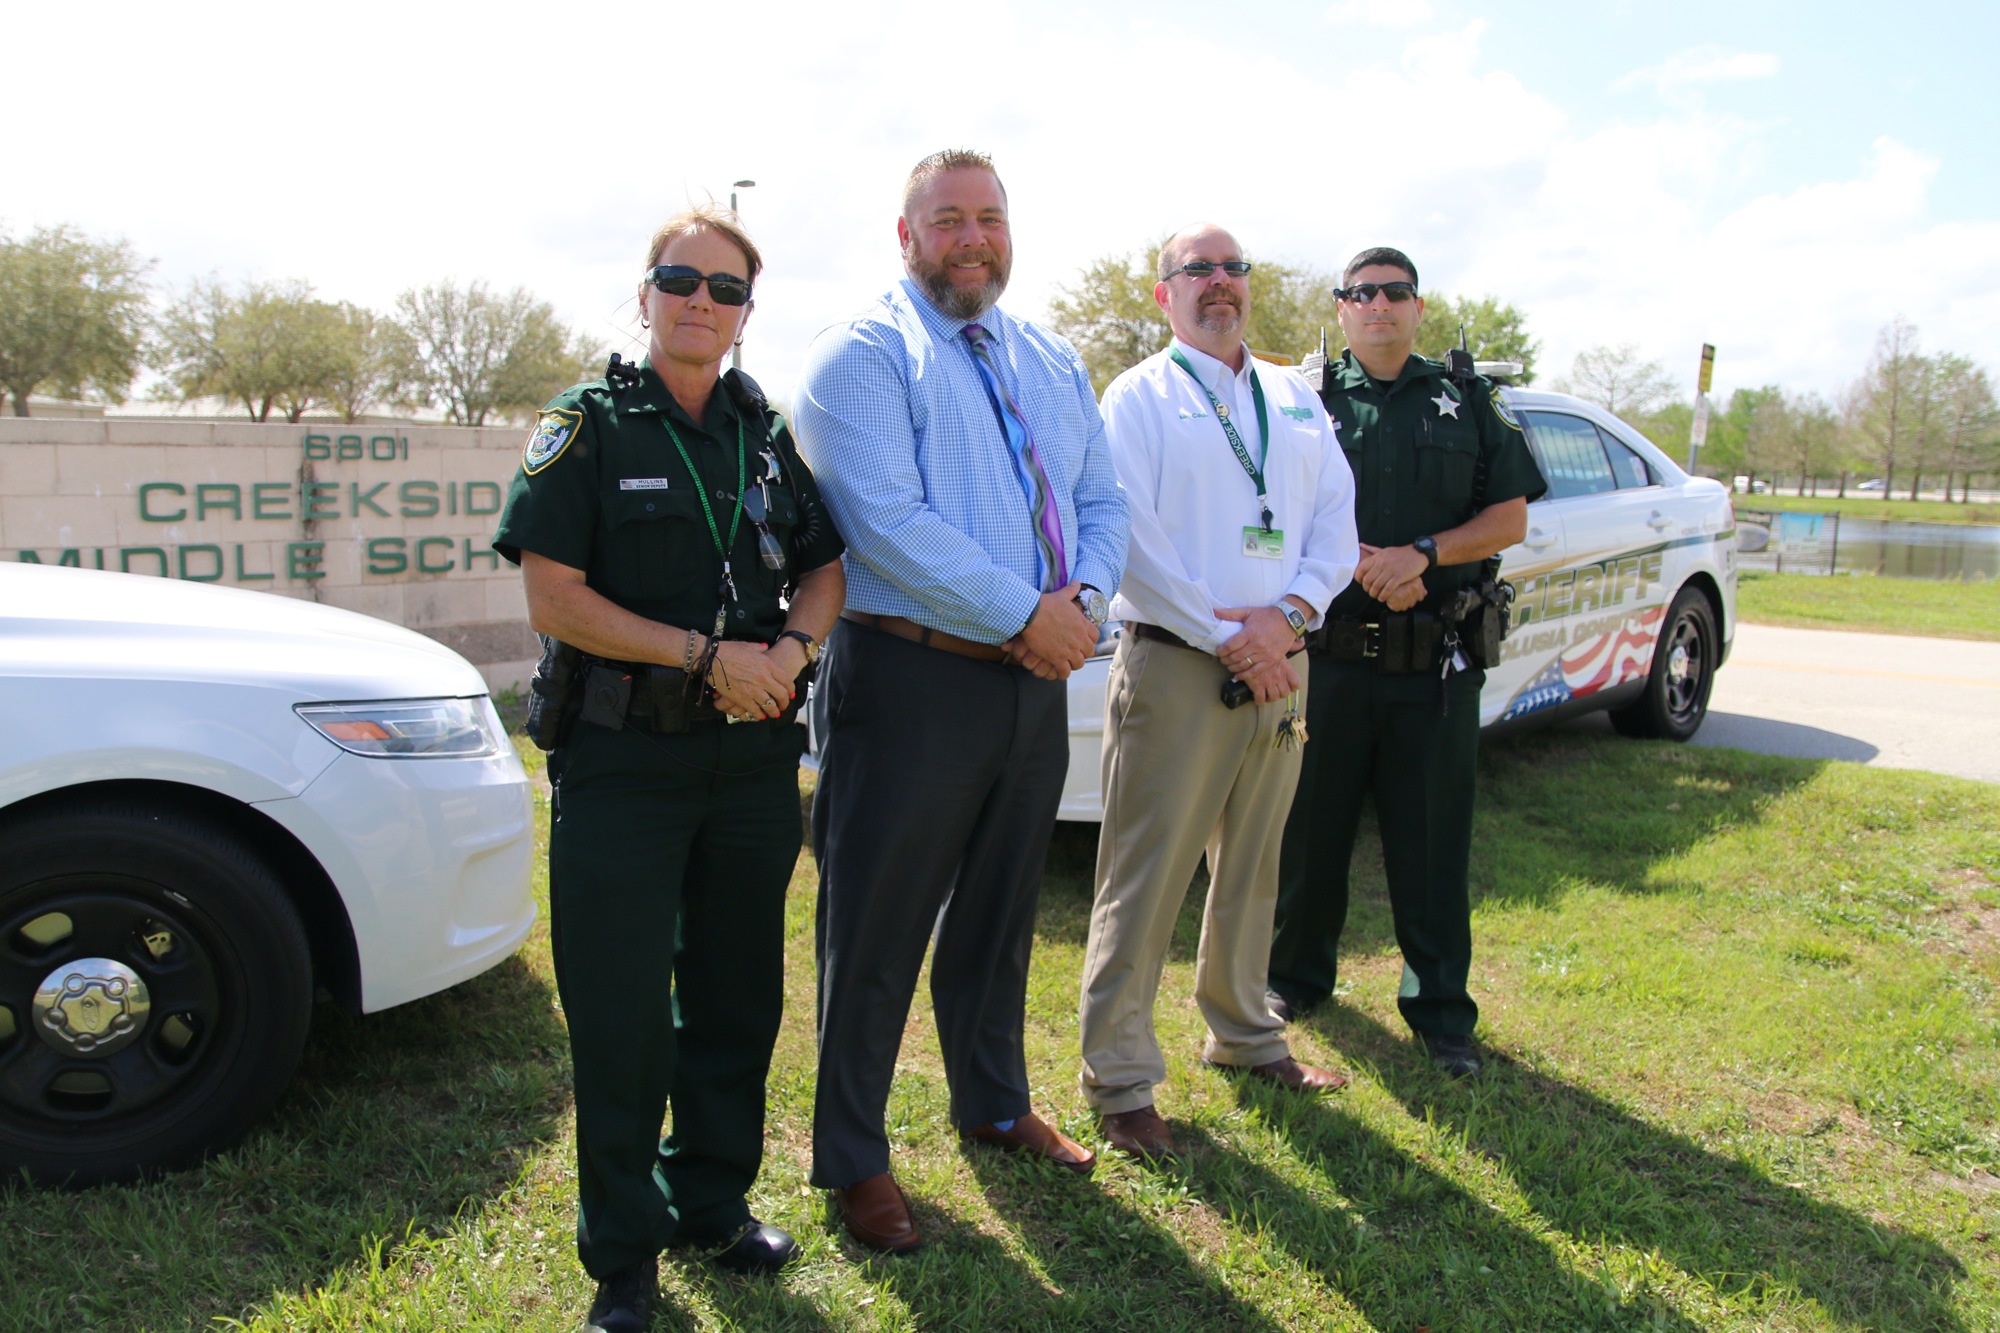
{"points": [[1400, 643], [1139, 629], [904, 628]]}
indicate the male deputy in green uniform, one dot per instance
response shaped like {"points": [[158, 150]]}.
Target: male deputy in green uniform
{"points": [[660, 518], [1443, 478]]}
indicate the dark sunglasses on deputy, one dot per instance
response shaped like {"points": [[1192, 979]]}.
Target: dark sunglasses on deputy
{"points": [[681, 280], [1361, 293], [1201, 268]]}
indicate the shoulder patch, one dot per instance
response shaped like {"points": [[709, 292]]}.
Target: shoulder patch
{"points": [[1501, 410], [553, 431]]}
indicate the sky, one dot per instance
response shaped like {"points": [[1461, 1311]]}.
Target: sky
{"points": [[1779, 179]]}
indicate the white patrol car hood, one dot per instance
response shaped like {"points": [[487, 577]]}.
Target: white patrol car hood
{"points": [[92, 624]]}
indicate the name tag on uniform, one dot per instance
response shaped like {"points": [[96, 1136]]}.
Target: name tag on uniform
{"points": [[642, 483], [1261, 545]]}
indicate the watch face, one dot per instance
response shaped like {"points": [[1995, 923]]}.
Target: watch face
{"points": [[1094, 605]]}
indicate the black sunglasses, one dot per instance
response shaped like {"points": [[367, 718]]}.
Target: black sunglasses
{"points": [[1362, 293], [1201, 268], [681, 280]]}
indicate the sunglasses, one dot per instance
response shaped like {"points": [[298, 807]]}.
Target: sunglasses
{"points": [[1201, 268], [1363, 293], [681, 280]]}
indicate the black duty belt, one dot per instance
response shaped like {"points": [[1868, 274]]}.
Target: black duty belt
{"points": [[662, 701], [1413, 641]]}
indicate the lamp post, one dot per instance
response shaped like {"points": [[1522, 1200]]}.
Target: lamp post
{"points": [[736, 352]]}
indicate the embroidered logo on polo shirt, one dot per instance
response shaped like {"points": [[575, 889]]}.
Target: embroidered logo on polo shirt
{"points": [[1298, 413], [553, 431]]}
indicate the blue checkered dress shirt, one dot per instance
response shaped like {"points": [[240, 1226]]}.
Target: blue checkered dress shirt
{"points": [[901, 434]]}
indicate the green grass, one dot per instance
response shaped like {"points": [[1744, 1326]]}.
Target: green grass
{"points": [[1745, 1076], [1870, 504], [1940, 608]]}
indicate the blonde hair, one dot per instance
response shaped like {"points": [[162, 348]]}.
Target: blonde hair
{"points": [[712, 217]]}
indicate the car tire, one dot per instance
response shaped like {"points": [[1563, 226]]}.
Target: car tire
{"points": [[155, 990], [1675, 699]]}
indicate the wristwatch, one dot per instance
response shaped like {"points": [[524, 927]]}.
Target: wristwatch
{"points": [[810, 644], [1295, 618], [1428, 548], [1094, 605]]}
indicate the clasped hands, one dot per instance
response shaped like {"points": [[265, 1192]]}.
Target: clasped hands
{"points": [[1058, 637], [755, 681], [1392, 575], [1259, 654]]}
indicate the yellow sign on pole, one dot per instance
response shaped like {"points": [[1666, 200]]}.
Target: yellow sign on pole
{"points": [[1707, 365]]}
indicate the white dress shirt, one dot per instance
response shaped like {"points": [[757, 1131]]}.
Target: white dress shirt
{"points": [[1190, 497]]}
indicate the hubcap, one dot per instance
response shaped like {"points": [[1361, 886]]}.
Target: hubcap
{"points": [[91, 1007]]}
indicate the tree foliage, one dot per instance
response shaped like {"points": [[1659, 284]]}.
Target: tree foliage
{"points": [[1110, 315], [378, 355], [266, 346], [72, 315], [473, 354], [1888, 402], [1619, 382]]}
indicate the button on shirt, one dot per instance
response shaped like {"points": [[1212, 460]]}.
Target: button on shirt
{"points": [[912, 462], [1191, 498]]}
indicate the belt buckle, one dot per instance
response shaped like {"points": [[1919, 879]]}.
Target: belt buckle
{"points": [[1371, 641]]}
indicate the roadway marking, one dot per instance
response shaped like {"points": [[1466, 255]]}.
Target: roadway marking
{"points": [[1866, 671]]}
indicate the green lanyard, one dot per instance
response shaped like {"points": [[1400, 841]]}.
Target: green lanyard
{"points": [[715, 533], [1236, 441]]}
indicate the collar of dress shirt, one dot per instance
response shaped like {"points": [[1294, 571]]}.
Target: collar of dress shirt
{"points": [[951, 325], [1231, 386]]}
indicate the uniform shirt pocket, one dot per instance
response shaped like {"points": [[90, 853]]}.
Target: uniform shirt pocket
{"points": [[1447, 455], [656, 544]]}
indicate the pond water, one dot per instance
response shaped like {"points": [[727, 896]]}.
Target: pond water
{"points": [[1896, 548]]}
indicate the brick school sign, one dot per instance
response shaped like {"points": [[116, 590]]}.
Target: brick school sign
{"points": [[393, 522]]}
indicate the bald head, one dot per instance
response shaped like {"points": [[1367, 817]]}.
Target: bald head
{"points": [[1206, 311]]}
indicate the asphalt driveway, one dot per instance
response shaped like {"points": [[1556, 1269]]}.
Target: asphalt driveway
{"points": [[1884, 699]]}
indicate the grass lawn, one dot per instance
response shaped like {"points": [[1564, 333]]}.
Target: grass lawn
{"points": [[1939, 608], [1870, 504], [1745, 1075]]}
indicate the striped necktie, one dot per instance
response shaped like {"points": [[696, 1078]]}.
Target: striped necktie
{"points": [[1014, 424]]}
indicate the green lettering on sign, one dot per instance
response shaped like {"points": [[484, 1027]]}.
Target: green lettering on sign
{"points": [[270, 499], [245, 576], [305, 561], [419, 499], [426, 567], [125, 554], [214, 552], [385, 555], [218, 497], [146, 490]]}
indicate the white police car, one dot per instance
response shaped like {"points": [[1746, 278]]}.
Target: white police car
{"points": [[1625, 592], [213, 802]]}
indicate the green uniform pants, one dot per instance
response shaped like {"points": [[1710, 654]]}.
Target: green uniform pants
{"points": [[1383, 734], [669, 857]]}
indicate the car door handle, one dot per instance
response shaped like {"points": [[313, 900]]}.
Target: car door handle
{"points": [[1658, 520], [1537, 539]]}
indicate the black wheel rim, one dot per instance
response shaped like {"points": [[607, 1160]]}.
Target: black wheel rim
{"points": [[1687, 669], [57, 1092]]}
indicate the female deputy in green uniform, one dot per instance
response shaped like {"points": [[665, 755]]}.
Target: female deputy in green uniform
{"points": [[666, 527]]}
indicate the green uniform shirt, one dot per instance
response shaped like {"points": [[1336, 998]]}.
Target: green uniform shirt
{"points": [[1416, 449], [602, 488]]}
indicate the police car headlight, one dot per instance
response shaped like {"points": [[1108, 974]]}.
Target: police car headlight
{"points": [[408, 728]]}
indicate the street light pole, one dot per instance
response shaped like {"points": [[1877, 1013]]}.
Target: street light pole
{"points": [[736, 352]]}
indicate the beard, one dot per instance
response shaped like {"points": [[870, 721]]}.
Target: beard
{"points": [[1220, 315], [959, 302]]}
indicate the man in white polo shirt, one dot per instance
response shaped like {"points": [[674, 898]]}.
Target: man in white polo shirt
{"points": [[1242, 532]]}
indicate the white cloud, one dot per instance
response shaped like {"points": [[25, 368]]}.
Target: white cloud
{"points": [[1700, 64], [1380, 13]]}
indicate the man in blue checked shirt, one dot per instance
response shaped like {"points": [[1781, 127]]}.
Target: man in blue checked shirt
{"points": [[962, 456]]}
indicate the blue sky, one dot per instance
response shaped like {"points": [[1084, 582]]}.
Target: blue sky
{"points": [[1778, 179]]}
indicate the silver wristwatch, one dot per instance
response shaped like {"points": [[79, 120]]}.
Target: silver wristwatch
{"points": [[1295, 618], [1095, 605]]}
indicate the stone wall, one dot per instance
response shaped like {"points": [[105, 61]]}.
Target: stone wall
{"points": [[392, 521]]}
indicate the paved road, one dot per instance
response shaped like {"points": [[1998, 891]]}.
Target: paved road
{"points": [[1884, 699]]}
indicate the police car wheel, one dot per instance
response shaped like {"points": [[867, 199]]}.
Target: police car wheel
{"points": [[155, 988], [1675, 699]]}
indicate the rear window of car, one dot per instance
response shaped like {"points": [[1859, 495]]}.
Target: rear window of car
{"points": [[1579, 459]]}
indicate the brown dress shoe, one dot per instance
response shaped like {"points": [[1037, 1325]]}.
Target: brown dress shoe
{"points": [[1289, 1073], [1141, 1134], [877, 1214], [1032, 1134]]}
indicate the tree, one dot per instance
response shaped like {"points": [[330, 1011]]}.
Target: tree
{"points": [[1110, 315], [1494, 331], [1752, 434], [474, 355], [1885, 404], [378, 353], [1814, 440], [265, 346], [1968, 424], [72, 314], [1619, 382]]}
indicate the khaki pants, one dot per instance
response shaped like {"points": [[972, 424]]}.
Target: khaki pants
{"points": [[1182, 775]]}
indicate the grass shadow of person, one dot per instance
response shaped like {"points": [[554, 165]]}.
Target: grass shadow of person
{"points": [[1402, 1243], [1110, 1265], [1600, 1174]]}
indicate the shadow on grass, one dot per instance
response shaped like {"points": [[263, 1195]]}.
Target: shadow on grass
{"points": [[395, 1123], [1107, 1265], [1595, 1171]]}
